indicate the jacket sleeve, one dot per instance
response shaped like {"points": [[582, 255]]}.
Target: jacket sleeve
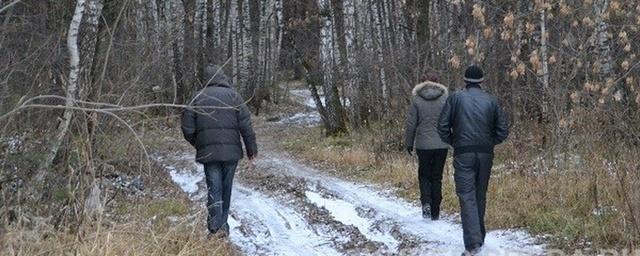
{"points": [[246, 128], [412, 122], [501, 125], [189, 128], [445, 122]]}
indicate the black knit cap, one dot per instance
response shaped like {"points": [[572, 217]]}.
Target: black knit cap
{"points": [[473, 75]]}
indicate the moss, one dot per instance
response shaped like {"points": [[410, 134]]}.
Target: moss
{"points": [[164, 208], [61, 194]]}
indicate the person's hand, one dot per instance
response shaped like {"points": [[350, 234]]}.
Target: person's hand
{"points": [[252, 160], [410, 150]]}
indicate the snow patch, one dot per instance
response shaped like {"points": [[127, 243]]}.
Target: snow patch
{"points": [[604, 211], [188, 182], [309, 119], [14, 144], [304, 96], [188, 177], [263, 226], [347, 214]]}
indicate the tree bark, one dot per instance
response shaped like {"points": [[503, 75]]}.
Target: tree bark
{"points": [[72, 88], [544, 77], [188, 74], [253, 87]]}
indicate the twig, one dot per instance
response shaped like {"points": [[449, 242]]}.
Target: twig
{"points": [[9, 5]]}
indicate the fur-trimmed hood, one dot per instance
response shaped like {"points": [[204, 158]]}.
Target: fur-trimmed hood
{"points": [[430, 90]]}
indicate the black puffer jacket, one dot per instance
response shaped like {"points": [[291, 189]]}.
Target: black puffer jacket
{"points": [[216, 122], [472, 121]]}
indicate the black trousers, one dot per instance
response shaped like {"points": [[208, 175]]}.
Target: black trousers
{"points": [[430, 166], [472, 174]]}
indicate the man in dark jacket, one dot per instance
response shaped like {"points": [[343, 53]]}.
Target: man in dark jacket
{"points": [[472, 122], [214, 126]]}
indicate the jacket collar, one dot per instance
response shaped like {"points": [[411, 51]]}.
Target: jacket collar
{"points": [[473, 86], [219, 85]]}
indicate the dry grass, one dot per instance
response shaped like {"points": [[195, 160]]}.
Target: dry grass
{"points": [[153, 227], [571, 204], [122, 239]]}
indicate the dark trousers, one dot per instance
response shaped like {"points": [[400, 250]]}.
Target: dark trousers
{"points": [[472, 172], [430, 166], [219, 179]]}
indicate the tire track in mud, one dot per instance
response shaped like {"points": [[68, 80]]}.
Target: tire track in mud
{"points": [[346, 238]]}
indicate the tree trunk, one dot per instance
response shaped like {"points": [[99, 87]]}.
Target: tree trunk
{"points": [[544, 77], [188, 68], [72, 88], [253, 87], [423, 35], [307, 48], [210, 38]]}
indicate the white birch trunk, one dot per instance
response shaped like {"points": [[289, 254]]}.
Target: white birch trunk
{"points": [[139, 20], [545, 73], [72, 86], [543, 55], [152, 8], [602, 40]]}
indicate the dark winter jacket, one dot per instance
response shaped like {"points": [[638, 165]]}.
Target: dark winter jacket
{"points": [[421, 129], [216, 122], [472, 121]]}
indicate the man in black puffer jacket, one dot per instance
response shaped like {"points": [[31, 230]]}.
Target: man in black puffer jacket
{"points": [[472, 122], [215, 125]]}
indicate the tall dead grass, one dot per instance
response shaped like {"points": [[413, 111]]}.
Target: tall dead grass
{"points": [[121, 239]]}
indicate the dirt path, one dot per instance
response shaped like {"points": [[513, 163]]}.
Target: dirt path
{"points": [[284, 207]]}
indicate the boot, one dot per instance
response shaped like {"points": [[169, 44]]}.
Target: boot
{"points": [[473, 251], [426, 211], [435, 212]]}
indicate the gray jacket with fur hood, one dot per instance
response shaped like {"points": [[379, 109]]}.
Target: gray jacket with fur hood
{"points": [[421, 128]]}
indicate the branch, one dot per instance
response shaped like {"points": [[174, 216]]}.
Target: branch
{"points": [[9, 5]]}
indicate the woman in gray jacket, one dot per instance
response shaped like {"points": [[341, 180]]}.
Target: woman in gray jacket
{"points": [[422, 135]]}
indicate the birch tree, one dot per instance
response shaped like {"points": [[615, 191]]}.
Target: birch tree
{"points": [[72, 89]]}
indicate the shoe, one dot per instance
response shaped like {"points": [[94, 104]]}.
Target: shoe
{"points": [[435, 213], [222, 233], [426, 212], [472, 252]]}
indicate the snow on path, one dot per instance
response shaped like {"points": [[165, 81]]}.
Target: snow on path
{"points": [[262, 225], [304, 96], [259, 225], [444, 236], [266, 227], [347, 213]]}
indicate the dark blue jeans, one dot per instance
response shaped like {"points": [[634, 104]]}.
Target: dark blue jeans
{"points": [[219, 179]]}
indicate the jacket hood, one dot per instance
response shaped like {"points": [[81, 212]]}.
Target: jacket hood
{"points": [[214, 75], [430, 90]]}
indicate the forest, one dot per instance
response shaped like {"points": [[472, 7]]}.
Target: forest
{"points": [[91, 93]]}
